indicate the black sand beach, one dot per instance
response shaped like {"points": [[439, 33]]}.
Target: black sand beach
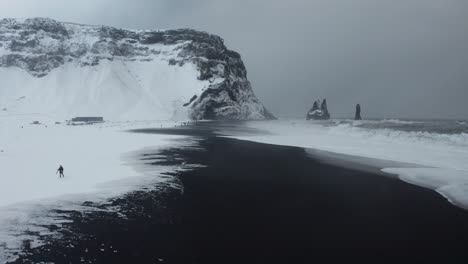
{"points": [[259, 203]]}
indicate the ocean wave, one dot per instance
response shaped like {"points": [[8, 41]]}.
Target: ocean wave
{"points": [[398, 121], [398, 136], [377, 121]]}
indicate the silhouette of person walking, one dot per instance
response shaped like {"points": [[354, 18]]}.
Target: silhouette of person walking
{"points": [[60, 169]]}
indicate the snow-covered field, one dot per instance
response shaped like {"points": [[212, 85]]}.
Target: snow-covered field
{"points": [[440, 161], [97, 164]]}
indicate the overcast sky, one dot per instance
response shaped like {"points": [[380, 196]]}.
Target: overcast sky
{"points": [[398, 58]]}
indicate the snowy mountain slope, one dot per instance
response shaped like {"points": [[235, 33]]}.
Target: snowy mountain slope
{"points": [[67, 70]]}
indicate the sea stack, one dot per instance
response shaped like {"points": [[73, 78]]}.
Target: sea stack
{"points": [[319, 111], [357, 115]]}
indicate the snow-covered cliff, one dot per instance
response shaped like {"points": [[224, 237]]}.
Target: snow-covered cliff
{"points": [[67, 70]]}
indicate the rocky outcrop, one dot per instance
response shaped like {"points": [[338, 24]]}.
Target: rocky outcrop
{"points": [[319, 111], [40, 45], [357, 115]]}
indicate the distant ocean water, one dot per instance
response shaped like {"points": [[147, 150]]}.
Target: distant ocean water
{"points": [[428, 126], [450, 132]]}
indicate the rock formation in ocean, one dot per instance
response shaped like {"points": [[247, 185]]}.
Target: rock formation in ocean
{"points": [[319, 111], [74, 69], [357, 115]]}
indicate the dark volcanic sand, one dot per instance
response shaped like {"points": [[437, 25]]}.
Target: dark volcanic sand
{"points": [[261, 200]]}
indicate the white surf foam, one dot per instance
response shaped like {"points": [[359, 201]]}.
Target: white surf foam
{"points": [[377, 121]]}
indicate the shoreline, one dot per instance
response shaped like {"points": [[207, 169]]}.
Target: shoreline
{"points": [[253, 199], [430, 160]]}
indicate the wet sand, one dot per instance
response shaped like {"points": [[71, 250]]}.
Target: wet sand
{"points": [[254, 203]]}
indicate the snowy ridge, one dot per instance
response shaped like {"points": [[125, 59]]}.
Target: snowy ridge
{"points": [[432, 160], [66, 70]]}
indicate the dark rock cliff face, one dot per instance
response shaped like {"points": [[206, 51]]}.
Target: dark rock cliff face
{"points": [[40, 45], [319, 111]]}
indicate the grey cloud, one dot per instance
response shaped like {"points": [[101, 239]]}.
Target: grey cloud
{"points": [[398, 58]]}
